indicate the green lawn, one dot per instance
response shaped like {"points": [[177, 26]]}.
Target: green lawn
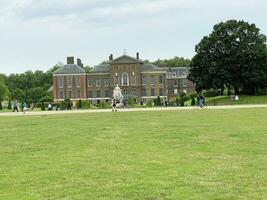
{"points": [[243, 99], [194, 154]]}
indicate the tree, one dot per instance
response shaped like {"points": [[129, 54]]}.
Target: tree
{"points": [[3, 92], [193, 101], [9, 107], [233, 55], [42, 106], [173, 62]]}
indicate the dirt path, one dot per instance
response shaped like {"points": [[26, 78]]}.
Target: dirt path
{"points": [[127, 110]]}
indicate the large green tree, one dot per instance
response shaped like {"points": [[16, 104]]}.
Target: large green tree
{"points": [[3, 91], [233, 55], [173, 62]]}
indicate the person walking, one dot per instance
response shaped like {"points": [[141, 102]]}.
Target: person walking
{"points": [[24, 107], [114, 108], [15, 106]]}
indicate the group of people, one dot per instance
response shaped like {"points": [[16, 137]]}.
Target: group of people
{"points": [[24, 108]]}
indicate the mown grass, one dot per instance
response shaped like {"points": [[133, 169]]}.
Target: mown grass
{"points": [[243, 99], [196, 154]]}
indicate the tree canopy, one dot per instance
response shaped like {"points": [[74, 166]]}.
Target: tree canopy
{"points": [[3, 89], [233, 55], [29, 86], [173, 62]]}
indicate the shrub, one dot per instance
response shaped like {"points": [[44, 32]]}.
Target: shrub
{"points": [[85, 104], [212, 93], [193, 101], [149, 104], [177, 101], [43, 107], [63, 105], [79, 106], [9, 107], [158, 101]]}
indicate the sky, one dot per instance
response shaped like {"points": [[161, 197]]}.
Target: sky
{"points": [[37, 34]]}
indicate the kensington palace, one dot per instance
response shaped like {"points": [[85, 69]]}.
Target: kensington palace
{"points": [[138, 80]]}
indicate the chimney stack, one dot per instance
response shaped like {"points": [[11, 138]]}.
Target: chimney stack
{"points": [[70, 60], [110, 57], [137, 56], [79, 62]]}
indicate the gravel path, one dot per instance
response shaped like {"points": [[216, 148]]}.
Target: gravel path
{"points": [[127, 110]]}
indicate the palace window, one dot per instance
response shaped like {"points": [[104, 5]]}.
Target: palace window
{"points": [[61, 82], [143, 91], [78, 94], [98, 94], [160, 91], [61, 95], [90, 94], [125, 93], [70, 94], [143, 80], [133, 79], [97, 82], [106, 93], [125, 79], [152, 80], [78, 81], [106, 82], [90, 83], [116, 80], [69, 79], [160, 79], [133, 92], [152, 92]]}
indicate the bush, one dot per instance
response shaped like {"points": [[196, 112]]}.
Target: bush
{"points": [[177, 101], [63, 105], [79, 106], [85, 104], [9, 107], [193, 101], [149, 104], [131, 102], [43, 107], [104, 105], [158, 101], [212, 93], [1, 107], [46, 99]]}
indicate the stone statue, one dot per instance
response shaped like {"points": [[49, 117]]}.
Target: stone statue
{"points": [[117, 95]]}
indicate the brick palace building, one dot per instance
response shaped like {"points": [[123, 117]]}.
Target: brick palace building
{"points": [[138, 80]]}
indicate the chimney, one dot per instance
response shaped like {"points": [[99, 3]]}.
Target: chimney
{"points": [[110, 57], [79, 62], [70, 60], [137, 55]]}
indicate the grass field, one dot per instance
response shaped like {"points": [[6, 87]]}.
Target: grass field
{"points": [[243, 99], [196, 154]]}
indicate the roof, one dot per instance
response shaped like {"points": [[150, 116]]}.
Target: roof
{"points": [[100, 69], [70, 69], [125, 59], [148, 67]]}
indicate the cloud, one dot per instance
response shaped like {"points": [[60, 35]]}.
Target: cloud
{"points": [[93, 11]]}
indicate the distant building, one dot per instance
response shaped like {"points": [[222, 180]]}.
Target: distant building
{"points": [[138, 80]]}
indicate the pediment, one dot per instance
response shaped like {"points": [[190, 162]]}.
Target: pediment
{"points": [[125, 59]]}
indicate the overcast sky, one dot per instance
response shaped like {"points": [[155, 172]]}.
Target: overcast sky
{"points": [[37, 34]]}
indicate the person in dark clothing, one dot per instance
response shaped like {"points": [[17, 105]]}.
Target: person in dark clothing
{"points": [[114, 105], [15, 107]]}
